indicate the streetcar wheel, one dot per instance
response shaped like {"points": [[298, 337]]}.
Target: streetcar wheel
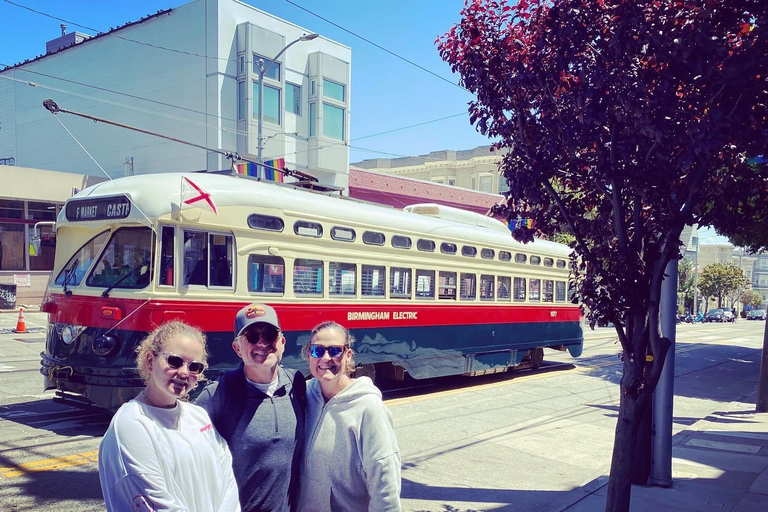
{"points": [[537, 357]]}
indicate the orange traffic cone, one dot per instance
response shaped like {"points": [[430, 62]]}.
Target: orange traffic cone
{"points": [[21, 325]]}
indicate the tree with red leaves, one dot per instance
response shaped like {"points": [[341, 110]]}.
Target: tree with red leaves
{"points": [[626, 120]]}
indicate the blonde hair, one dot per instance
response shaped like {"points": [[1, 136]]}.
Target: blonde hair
{"points": [[348, 341], [156, 340]]}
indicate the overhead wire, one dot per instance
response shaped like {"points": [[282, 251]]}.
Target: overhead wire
{"points": [[205, 124]]}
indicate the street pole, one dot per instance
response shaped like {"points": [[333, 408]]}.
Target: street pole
{"points": [[262, 69], [761, 405], [695, 276], [661, 452]]}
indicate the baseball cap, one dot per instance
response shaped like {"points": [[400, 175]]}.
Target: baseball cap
{"points": [[255, 314]]}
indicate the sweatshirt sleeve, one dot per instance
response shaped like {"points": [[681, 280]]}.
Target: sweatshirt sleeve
{"points": [[230, 495], [381, 459]]}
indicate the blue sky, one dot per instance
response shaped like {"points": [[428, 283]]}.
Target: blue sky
{"points": [[388, 94]]}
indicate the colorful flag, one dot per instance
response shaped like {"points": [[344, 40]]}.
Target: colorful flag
{"points": [[193, 195], [268, 171]]}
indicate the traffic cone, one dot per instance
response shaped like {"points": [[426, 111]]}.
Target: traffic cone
{"points": [[21, 325]]}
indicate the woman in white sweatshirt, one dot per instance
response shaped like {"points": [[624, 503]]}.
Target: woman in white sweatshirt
{"points": [[351, 460], [160, 452]]}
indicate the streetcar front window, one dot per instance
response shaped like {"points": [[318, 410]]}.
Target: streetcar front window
{"points": [[123, 262], [78, 265]]}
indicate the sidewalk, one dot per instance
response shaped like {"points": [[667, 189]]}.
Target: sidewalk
{"points": [[543, 444]]}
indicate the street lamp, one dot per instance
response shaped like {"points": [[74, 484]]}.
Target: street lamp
{"points": [[262, 70]]}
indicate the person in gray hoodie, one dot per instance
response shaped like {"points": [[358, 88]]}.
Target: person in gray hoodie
{"points": [[351, 460]]}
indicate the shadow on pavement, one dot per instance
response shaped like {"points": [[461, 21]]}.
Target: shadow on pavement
{"points": [[58, 418]]}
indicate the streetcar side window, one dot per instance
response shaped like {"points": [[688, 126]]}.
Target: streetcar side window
{"points": [[468, 250], [535, 260], [505, 256], [265, 222], [221, 260], [520, 257], [401, 242], [167, 252], [208, 259], [373, 238], [374, 278], [504, 293], [519, 289], [447, 248], [304, 228], [468, 289], [447, 285], [425, 284], [425, 245], [343, 234], [400, 282], [342, 279], [266, 274], [560, 291], [560, 263], [125, 261], [534, 290], [307, 277], [548, 262], [487, 254], [195, 258], [79, 264], [487, 287], [549, 291]]}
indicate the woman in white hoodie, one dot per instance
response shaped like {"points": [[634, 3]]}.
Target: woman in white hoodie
{"points": [[351, 460]]}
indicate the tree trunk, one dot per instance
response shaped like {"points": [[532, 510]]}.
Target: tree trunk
{"points": [[620, 483]]}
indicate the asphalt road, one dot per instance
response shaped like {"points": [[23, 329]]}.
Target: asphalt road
{"points": [[48, 449]]}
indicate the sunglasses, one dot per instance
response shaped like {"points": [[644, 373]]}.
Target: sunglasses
{"points": [[269, 334], [176, 362], [334, 352]]}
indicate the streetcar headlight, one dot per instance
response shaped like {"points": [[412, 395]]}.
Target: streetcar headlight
{"points": [[104, 345], [67, 335]]}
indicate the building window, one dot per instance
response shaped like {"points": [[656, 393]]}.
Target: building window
{"points": [[438, 179], [503, 185], [452, 182], [485, 183], [241, 63], [312, 85], [333, 122], [312, 119], [271, 103], [333, 90], [273, 72], [293, 98], [241, 100]]}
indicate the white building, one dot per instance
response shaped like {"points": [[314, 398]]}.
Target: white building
{"points": [[190, 73]]}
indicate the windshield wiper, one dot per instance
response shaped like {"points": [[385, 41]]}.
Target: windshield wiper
{"points": [[133, 272], [67, 275]]}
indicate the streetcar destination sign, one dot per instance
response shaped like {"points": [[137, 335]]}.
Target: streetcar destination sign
{"points": [[103, 208]]}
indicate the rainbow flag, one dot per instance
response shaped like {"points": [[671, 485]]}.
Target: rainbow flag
{"points": [[266, 173]]}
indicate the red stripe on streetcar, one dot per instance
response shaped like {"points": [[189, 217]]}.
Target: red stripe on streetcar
{"points": [[141, 315]]}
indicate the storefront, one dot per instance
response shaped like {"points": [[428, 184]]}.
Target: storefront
{"points": [[29, 197]]}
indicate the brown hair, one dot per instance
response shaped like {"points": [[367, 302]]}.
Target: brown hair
{"points": [[155, 341], [348, 341]]}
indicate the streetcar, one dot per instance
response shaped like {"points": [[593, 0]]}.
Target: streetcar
{"points": [[427, 291]]}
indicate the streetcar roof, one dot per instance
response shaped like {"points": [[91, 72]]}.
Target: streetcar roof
{"points": [[159, 195]]}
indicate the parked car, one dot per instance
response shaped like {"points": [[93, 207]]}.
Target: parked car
{"points": [[756, 314], [730, 314], [715, 315]]}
